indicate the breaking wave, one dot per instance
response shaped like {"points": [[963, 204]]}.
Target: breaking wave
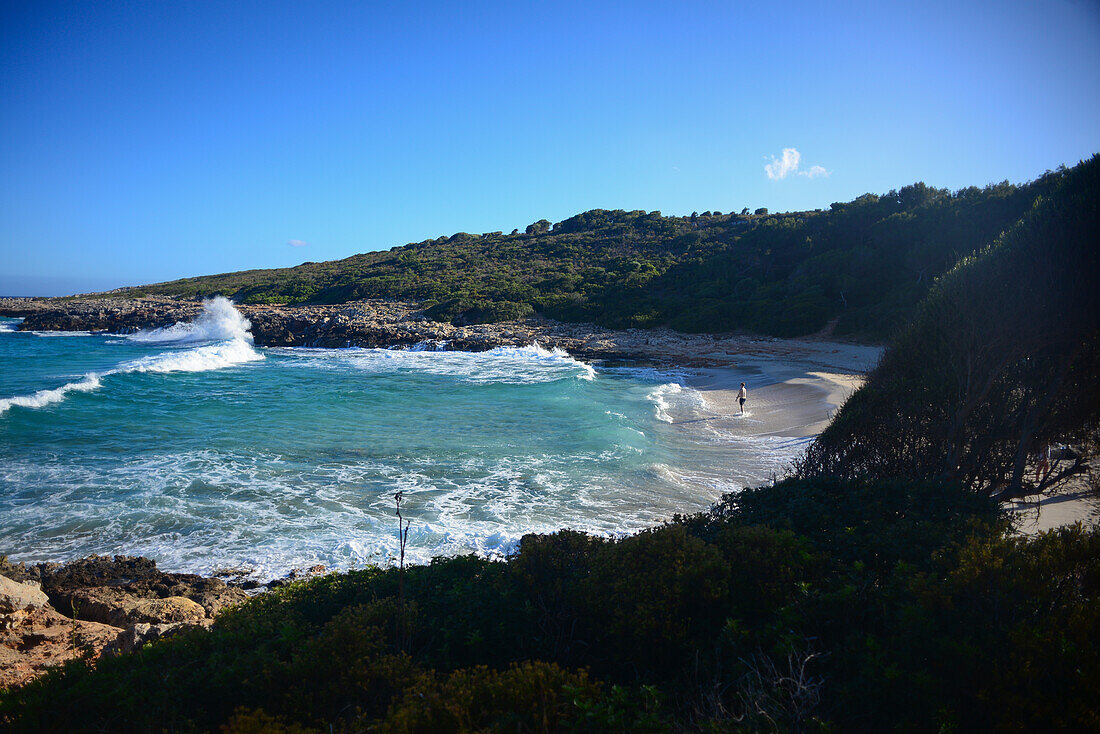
{"points": [[42, 398], [218, 323], [531, 364]]}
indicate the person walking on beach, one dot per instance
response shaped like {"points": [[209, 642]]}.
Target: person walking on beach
{"points": [[742, 395]]}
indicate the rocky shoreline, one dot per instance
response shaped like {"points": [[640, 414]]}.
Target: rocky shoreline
{"points": [[102, 606], [396, 324]]}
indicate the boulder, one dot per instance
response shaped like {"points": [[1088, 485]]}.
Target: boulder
{"points": [[120, 608], [90, 588], [174, 609], [18, 597]]}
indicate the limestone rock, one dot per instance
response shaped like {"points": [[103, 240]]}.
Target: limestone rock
{"points": [[16, 597], [172, 609], [47, 638], [109, 590]]}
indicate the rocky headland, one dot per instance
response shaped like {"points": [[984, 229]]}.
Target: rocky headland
{"points": [[379, 323]]}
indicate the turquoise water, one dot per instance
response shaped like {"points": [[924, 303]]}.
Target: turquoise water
{"points": [[196, 448]]}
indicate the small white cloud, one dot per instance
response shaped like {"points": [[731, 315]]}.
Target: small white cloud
{"points": [[814, 172], [780, 167], [788, 163], [297, 243]]}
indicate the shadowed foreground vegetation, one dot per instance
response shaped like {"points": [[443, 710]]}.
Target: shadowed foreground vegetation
{"points": [[807, 606], [865, 263], [1001, 361]]}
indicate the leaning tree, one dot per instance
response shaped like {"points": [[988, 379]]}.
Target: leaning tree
{"points": [[1001, 362]]}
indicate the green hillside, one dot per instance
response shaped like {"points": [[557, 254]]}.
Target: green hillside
{"points": [[866, 263]]}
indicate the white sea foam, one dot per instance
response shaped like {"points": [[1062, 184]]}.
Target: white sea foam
{"points": [[431, 345], [539, 355], [193, 509], [219, 323], [504, 365], [7, 325], [43, 398], [198, 359], [673, 401]]}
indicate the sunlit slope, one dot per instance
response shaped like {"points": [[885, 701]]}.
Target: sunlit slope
{"points": [[865, 263]]}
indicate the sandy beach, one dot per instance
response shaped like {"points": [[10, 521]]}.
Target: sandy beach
{"points": [[794, 387]]}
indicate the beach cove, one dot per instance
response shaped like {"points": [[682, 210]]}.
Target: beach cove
{"points": [[210, 450], [171, 485]]}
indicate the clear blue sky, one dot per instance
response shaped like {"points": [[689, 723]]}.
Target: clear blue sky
{"points": [[146, 141]]}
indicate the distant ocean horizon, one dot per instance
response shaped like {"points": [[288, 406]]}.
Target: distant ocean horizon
{"points": [[194, 447]]}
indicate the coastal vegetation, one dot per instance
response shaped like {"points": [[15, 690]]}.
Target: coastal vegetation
{"points": [[864, 264], [810, 605], [1001, 362]]}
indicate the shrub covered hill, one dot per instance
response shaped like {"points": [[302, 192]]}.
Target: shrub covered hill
{"points": [[866, 263]]}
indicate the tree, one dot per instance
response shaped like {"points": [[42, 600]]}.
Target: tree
{"points": [[543, 225], [762, 211], [1002, 360]]}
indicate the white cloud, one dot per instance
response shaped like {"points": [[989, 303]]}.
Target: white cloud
{"points": [[814, 172], [297, 243], [788, 163], [780, 167]]}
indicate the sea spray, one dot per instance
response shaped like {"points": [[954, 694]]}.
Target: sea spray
{"points": [[218, 322]]}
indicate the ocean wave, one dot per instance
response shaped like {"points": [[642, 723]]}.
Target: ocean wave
{"points": [[54, 334], [196, 509], [672, 401], [9, 325], [42, 398], [198, 359], [502, 365], [219, 322]]}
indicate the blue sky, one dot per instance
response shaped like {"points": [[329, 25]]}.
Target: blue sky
{"points": [[150, 141]]}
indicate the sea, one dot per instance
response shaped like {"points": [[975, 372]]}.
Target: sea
{"points": [[192, 446]]}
